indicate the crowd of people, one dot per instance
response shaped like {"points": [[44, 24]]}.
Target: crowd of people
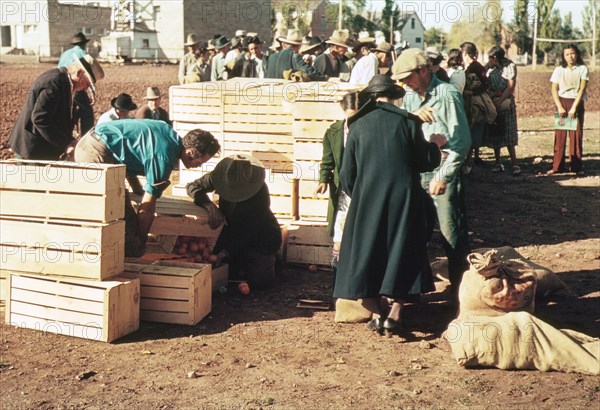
{"points": [[393, 167]]}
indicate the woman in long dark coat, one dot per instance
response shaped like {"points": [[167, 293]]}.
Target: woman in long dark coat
{"points": [[389, 221]]}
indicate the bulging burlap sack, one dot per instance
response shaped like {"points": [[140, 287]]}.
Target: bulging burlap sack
{"points": [[351, 311]]}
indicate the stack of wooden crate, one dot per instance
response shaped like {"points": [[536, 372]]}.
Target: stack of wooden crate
{"points": [[62, 248]]}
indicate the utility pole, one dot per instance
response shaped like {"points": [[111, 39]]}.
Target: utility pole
{"points": [[594, 33], [341, 15], [534, 55], [392, 29]]}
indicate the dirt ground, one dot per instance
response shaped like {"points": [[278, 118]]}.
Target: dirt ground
{"points": [[260, 351]]}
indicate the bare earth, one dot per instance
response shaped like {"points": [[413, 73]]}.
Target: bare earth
{"points": [[260, 351]]}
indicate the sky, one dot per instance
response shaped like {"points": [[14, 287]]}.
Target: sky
{"points": [[443, 14]]}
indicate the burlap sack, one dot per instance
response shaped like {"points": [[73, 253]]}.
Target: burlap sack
{"points": [[519, 340], [492, 288], [351, 311]]}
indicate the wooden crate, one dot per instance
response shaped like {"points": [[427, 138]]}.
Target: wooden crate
{"points": [[308, 243], [311, 206], [3, 286], [87, 250], [173, 294], [67, 190], [103, 311]]}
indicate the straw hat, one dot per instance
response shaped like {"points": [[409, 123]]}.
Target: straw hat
{"points": [[92, 68], [383, 47], [339, 38], [238, 177], [192, 40], [152, 93], [293, 37]]}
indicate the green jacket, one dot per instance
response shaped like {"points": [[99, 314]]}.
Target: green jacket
{"points": [[333, 151]]}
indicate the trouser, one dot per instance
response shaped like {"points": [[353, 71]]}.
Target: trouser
{"points": [[450, 211], [575, 140], [91, 149], [83, 112]]}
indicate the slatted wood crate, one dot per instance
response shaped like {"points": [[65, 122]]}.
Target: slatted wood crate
{"points": [[78, 249], [308, 243], [3, 286], [65, 190], [103, 311], [172, 294]]}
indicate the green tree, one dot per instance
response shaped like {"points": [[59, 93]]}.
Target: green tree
{"points": [[483, 30], [519, 28], [390, 10], [588, 24], [435, 37], [549, 25]]}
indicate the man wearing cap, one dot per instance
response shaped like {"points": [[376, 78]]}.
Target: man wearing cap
{"points": [[252, 236], [256, 65], [83, 113], [441, 107], [149, 148], [218, 68], [331, 63], [189, 59], [121, 106], [371, 61], [152, 109], [288, 59], [435, 59], [44, 128]]}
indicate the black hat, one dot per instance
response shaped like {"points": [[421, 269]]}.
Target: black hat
{"points": [[123, 102], [79, 38], [383, 85], [221, 42], [254, 40]]}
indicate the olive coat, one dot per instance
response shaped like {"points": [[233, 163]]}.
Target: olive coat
{"points": [[331, 162], [390, 219]]}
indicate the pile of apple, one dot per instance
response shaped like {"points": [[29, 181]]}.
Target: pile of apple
{"points": [[196, 248]]}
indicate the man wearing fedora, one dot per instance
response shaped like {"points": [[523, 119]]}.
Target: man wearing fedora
{"points": [[331, 63], [311, 48], [44, 128], [256, 65], [218, 69], [288, 59], [148, 148], [152, 109], [370, 59], [201, 70], [252, 237], [121, 106], [83, 113], [440, 105], [189, 58]]}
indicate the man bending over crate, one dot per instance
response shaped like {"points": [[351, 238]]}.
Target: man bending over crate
{"points": [[149, 148]]}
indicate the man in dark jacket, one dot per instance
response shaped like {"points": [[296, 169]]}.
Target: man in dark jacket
{"points": [[256, 65], [44, 128], [288, 60], [332, 63], [152, 109], [252, 235]]}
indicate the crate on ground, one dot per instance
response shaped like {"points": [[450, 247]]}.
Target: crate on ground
{"points": [[3, 286], [65, 190], [78, 249], [308, 243], [173, 294], [219, 275], [103, 311]]}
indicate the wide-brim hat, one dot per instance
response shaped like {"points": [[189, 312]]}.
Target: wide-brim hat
{"points": [[434, 55], [293, 37], [222, 42], [339, 38], [238, 177], [241, 33], [410, 60], [364, 41], [79, 38], [123, 102], [310, 43], [92, 68], [381, 83], [191, 40], [383, 47], [152, 93]]}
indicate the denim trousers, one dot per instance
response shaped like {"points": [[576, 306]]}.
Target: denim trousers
{"points": [[450, 210]]}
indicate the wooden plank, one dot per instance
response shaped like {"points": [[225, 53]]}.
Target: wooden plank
{"points": [[234, 108], [194, 107], [159, 292], [309, 254], [202, 121], [258, 128], [281, 205], [259, 138], [183, 127], [94, 307], [310, 129], [66, 177], [307, 170], [165, 317], [164, 305], [57, 327], [306, 189], [122, 309], [220, 277], [285, 149], [305, 233], [3, 286], [313, 207], [312, 109], [307, 150], [67, 206], [278, 183], [53, 313], [264, 119]]}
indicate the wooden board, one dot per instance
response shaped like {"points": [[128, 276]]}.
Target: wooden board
{"points": [[308, 150], [89, 192], [325, 110], [90, 250], [309, 254], [308, 233], [313, 130], [103, 311], [173, 294], [3, 286]]}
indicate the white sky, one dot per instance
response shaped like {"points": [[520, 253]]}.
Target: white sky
{"points": [[444, 13]]}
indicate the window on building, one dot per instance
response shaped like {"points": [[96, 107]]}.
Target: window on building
{"points": [[156, 10], [6, 39], [145, 43], [412, 23], [29, 28], [417, 40], [88, 31]]}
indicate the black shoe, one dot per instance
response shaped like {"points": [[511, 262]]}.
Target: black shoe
{"points": [[376, 325], [391, 326]]}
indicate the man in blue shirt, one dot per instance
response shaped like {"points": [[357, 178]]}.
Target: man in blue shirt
{"points": [[149, 148], [441, 108], [82, 105]]}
